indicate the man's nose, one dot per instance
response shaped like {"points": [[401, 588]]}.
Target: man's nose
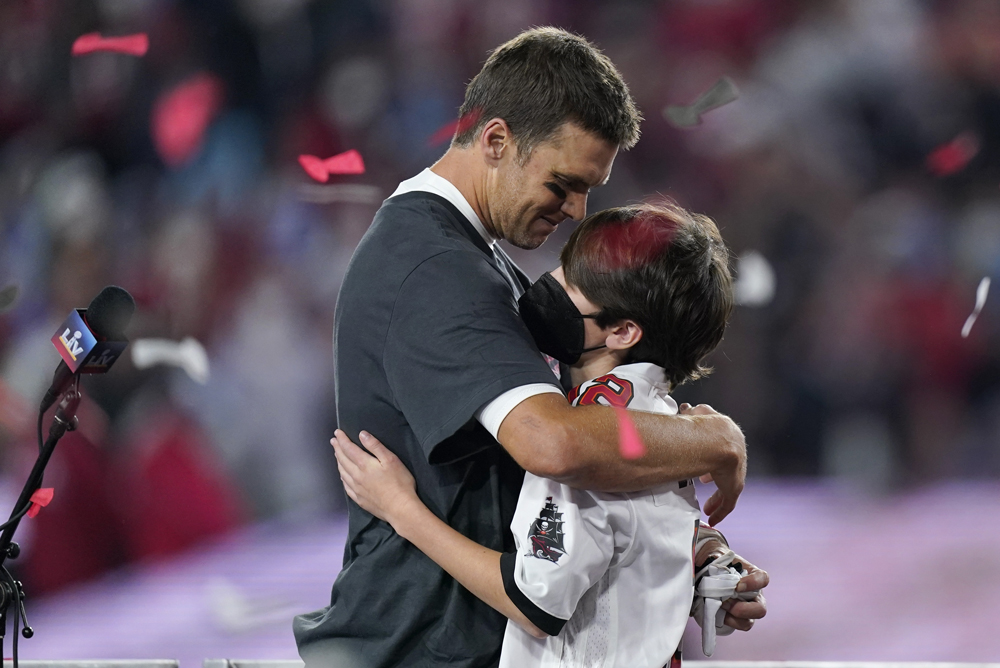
{"points": [[575, 206]]}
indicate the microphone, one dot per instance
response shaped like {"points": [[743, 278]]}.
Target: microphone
{"points": [[91, 339]]}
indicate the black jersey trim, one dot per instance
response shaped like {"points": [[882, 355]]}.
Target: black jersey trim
{"points": [[543, 620]]}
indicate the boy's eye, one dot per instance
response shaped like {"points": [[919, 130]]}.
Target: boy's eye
{"points": [[556, 190]]}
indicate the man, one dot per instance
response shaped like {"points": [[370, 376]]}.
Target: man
{"points": [[432, 356]]}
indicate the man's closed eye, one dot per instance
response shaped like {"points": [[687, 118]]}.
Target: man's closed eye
{"points": [[556, 190]]}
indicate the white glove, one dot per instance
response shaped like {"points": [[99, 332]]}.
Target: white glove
{"points": [[715, 583]]}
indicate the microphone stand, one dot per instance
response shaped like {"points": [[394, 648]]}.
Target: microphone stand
{"points": [[11, 591]]}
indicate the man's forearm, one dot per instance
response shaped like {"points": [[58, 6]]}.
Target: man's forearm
{"points": [[579, 446], [677, 447]]}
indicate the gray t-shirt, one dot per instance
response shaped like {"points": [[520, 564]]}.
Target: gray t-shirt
{"points": [[427, 331]]}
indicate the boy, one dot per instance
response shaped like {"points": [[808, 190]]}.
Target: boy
{"points": [[642, 296]]}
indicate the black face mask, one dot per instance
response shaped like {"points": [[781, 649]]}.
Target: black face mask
{"points": [[554, 320]]}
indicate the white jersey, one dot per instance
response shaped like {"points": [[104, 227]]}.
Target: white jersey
{"points": [[610, 576]]}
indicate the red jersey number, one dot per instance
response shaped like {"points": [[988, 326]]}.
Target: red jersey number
{"points": [[607, 390]]}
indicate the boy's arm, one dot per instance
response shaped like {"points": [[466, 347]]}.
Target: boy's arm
{"points": [[383, 486], [476, 568]]}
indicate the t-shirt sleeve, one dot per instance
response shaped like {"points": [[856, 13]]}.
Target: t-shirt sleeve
{"points": [[455, 342], [565, 541]]}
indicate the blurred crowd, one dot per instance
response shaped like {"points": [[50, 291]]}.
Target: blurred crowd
{"points": [[113, 172]]}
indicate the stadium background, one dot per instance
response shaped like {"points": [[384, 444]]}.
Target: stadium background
{"points": [[193, 520]]}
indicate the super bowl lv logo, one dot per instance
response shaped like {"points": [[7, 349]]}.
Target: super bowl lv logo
{"points": [[72, 343]]}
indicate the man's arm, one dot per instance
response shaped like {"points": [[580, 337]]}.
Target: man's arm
{"points": [[383, 486], [578, 446]]}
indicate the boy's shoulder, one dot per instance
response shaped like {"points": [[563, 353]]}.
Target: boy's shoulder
{"points": [[641, 386]]}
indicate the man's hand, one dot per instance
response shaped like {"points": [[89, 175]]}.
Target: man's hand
{"points": [[730, 477], [740, 614], [378, 482]]}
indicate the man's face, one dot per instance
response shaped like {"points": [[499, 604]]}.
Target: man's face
{"points": [[528, 201]]}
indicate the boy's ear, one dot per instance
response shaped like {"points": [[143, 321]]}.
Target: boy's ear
{"points": [[624, 334]]}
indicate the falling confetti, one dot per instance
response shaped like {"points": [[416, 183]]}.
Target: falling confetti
{"points": [[755, 280], [722, 93], [41, 498], [188, 354], [630, 445], [348, 162], [8, 296], [132, 45], [236, 612], [954, 156], [182, 115], [456, 127], [981, 292]]}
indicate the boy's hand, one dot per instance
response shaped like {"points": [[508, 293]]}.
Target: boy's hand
{"points": [[740, 615], [380, 483], [731, 476]]}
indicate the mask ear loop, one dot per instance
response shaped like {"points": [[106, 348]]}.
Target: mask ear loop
{"points": [[592, 316]]}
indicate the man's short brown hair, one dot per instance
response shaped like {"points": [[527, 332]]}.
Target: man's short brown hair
{"points": [[663, 267], [543, 78]]}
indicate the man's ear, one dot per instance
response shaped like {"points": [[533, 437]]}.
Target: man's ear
{"points": [[495, 140], [624, 334]]}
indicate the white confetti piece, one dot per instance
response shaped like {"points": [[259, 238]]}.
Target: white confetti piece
{"points": [[188, 354], [755, 281], [981, 292], [722, 93], [236, 612]]}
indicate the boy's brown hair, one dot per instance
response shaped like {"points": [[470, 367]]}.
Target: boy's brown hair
{"points": [[663, 267]]}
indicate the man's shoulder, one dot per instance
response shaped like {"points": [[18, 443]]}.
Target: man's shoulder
{"points": [[407, 231], [423, 217]]}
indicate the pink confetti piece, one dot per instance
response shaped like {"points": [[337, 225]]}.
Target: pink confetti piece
{"points": [[182, 115], [348, 162], [630, 445], [456, 127], [40, 499], [132, 45], [953, 156]]}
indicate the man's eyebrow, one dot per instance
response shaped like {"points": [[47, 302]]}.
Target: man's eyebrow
{"points": [[576, 182]]}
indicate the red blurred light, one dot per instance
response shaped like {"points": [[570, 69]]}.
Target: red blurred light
{"points": [[954, 156]]}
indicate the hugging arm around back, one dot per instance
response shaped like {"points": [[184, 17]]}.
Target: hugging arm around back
{"points": [[578, 446]]}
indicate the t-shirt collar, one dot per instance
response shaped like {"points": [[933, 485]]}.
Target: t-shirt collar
{"points": [[428, 181]]}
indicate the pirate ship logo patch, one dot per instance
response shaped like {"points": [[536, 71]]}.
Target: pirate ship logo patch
{"points": [[545, 539]]}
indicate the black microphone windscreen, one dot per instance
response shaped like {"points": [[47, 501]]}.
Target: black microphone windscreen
{"points": [[110, 313]]}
